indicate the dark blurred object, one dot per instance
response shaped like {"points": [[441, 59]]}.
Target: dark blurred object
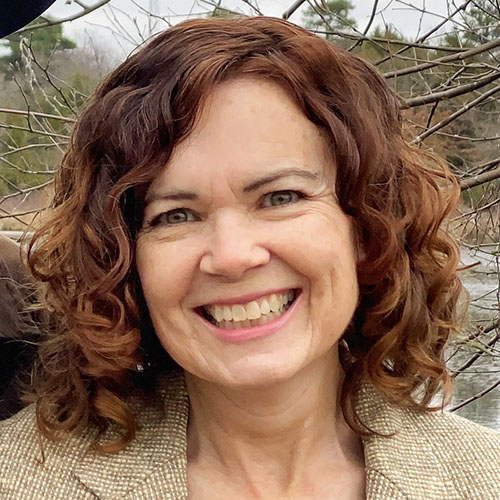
{"points": [[15, 14], [18, 328]]}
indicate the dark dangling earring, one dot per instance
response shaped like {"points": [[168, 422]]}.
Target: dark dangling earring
{"points": [[144, 365]]}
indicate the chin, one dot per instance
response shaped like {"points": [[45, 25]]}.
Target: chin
{"points": [[264, 370]]}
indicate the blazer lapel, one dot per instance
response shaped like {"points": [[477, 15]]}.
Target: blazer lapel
{"points": [[400, 465], [404, 465], [154, 463]]}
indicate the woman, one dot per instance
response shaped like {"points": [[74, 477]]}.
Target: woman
{"points": [[251, 285]]}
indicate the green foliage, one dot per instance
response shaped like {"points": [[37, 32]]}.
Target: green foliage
{"points": [[378, 50], [483, 24], [28, 159], [479, 25], [222, 13], [329, 15], [43, 41]]}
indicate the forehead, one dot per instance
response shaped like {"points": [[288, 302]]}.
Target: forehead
{"points": [[246, 128]]}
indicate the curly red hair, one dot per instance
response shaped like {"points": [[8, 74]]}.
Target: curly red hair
{"points": [[399, 197]]}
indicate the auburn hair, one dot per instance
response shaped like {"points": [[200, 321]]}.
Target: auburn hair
{"points": [[399, 197]]}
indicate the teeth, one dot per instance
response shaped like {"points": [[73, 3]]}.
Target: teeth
{"points": [[251, 313], [228, 315], [239, 313], [274, 303], [217, 313], [265, 308], [253, 310]]}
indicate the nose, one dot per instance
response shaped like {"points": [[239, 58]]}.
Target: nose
{"points": [[234, 246]]}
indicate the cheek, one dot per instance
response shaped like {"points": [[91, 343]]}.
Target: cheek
{"points": [[321, 246], [165, 271], [325, 255]]}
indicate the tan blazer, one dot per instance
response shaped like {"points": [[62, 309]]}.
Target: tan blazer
{"points": [[431, 457]]}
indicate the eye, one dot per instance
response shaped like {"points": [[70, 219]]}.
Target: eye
{"points": [[280, 198], [174, 217]]}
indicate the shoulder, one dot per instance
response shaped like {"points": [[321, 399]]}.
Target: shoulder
{"points": [[468, 453], [448, 432], [30, 462], [454, 437], [430, 453], [73, 468], [461, 443], [454, 433]]}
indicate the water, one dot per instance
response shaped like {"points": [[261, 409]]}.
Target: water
{"points": [[482, 284]]}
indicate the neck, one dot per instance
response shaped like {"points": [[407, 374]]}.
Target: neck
{"points": [[281, 431]]}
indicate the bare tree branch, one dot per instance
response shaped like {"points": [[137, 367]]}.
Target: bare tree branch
{"points": [[35, 113], [292, 8], [424, 37], [389, 41], [85, 11], [481, 179], [25, 191], [448, 94], [455, 115], [39, 132], [476, 396], [441, 60], [368, 26]]}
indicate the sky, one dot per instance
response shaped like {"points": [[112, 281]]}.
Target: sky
{"points": [[123, 24]]}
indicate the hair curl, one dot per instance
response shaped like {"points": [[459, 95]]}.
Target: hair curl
{"points": [[399, 197]]}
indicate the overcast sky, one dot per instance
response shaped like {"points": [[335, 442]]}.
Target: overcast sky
{"points": [[122, 23]]}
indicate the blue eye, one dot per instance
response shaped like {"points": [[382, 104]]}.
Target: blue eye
{"points": [[174, 217], [280, 198]]}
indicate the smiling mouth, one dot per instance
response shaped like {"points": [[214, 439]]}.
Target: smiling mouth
{"points": [[253, 313]]}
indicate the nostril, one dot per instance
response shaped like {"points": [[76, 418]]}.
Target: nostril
{"points": [[233, 259]]}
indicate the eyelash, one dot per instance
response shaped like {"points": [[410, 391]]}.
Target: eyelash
{"points": [[299, 195], [296, 196]]}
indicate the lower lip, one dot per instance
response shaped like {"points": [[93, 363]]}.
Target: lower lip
{"points": [[254, 332]]}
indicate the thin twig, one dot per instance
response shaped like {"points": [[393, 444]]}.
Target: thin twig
{"points": [[86, 10], [24, 148], [448, 94], [22, 214], [292, 9], [455, 115], [485, 47], [40, 132], [26, 190], [256, 9], [389, 41], [36, 113], [480, 179], [429, 33], [368, 26], [476, 396]]}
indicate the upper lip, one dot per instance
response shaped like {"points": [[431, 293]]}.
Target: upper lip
{"points": [[243, 299]]}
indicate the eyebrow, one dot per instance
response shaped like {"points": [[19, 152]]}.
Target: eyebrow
{"points": [[181, 195], [172, 195], [287, 172]]}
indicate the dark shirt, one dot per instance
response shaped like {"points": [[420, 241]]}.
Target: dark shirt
{"points": [[18, 328]]}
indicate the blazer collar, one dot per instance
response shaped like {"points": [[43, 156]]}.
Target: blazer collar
{"points": [[155, 461], [402, 462], [154, 464]]}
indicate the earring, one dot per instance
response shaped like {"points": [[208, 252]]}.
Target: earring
{"points": [[144, 366]]}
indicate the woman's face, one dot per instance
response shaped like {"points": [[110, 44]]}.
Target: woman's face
{"points": [[243, 221]]}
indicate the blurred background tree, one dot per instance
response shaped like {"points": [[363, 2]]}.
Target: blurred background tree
{"points": [[329, 16], [43, 43]]}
